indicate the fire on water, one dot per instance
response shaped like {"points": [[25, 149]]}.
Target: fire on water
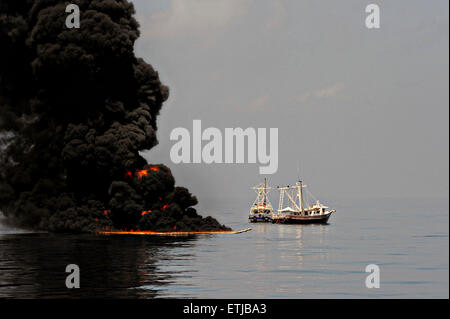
{"points": [[172, 233]]}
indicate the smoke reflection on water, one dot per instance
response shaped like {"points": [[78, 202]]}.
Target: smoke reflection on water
{"points": [[32, 265]]}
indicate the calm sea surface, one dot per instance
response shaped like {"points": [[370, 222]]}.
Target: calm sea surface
{"points": [[407, 239]]}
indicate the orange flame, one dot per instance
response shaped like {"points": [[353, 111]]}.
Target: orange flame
{"points": [[128, 174], [144, 172], [145, 212]]}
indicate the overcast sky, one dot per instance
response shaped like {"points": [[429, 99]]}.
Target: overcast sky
{"points": [[362, 113]]}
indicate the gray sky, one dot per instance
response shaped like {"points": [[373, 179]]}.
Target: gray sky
{"points": [[364, 112]]}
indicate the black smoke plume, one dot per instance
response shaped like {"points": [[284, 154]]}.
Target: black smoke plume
{"points": [[77, 107]]}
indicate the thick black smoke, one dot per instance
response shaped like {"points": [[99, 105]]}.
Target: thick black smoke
{"points": [[77, 107]]}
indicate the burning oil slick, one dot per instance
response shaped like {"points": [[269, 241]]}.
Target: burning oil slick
{"points": [[77, 107]]}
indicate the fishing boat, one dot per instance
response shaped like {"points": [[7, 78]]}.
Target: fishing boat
{"points": [[261, 210], [300, 211]]}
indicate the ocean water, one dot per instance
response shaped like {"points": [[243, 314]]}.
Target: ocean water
{"points": [[407, 239]]}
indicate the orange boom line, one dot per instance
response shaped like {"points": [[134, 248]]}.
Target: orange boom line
{"points": [[174, 233]]}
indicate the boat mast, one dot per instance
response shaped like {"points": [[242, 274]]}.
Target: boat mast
{"points": [[301, 197], [262, 198], [265, 190], [280, 202]]}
